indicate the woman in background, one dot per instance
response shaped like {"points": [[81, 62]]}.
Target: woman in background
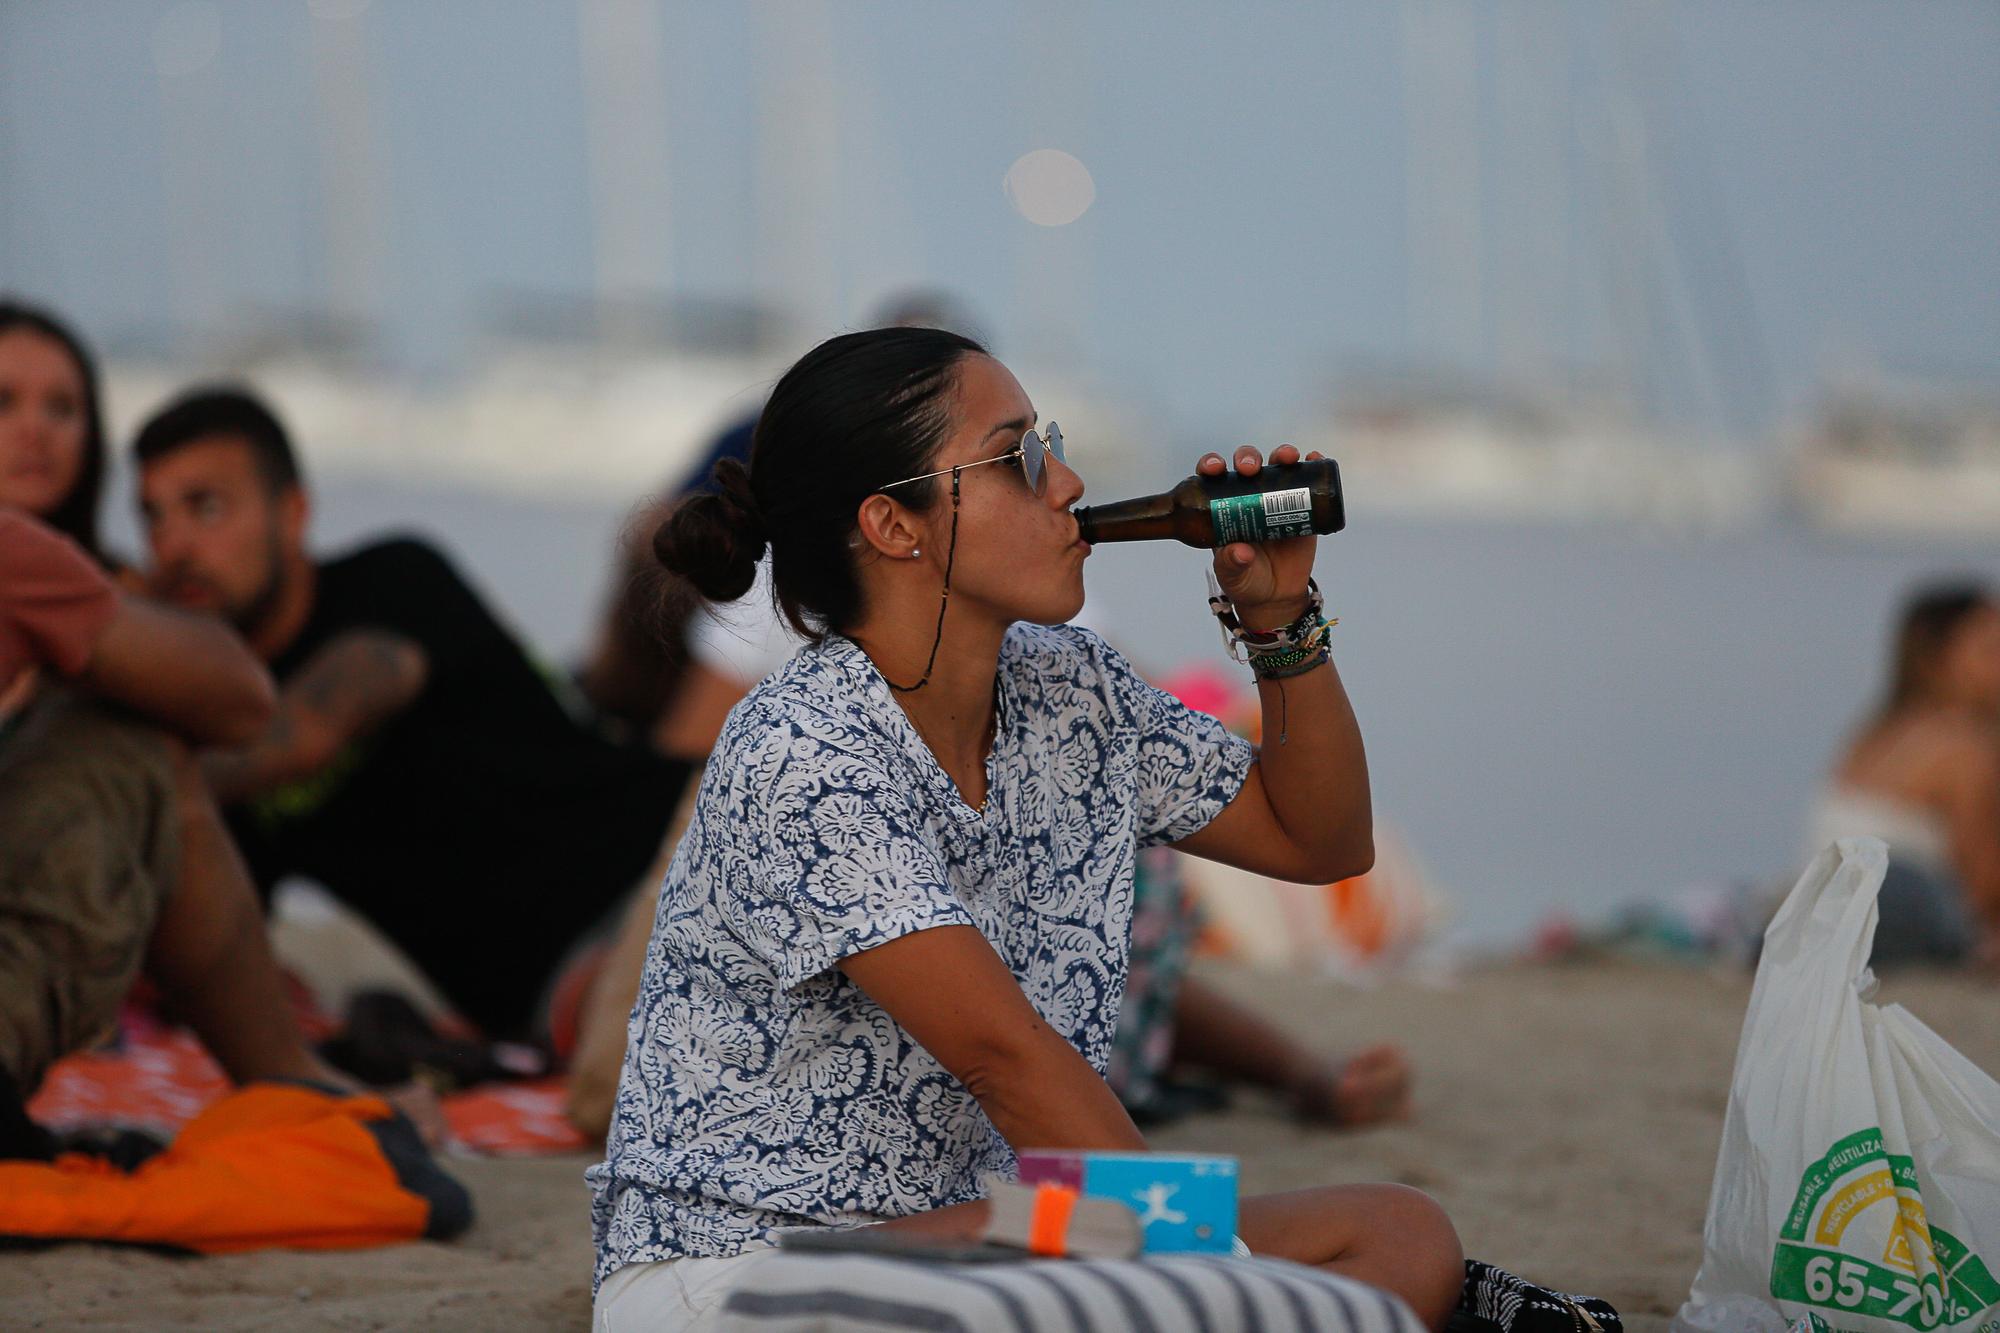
{"points": [[1923, 774], [51, 432], [112, 855]]}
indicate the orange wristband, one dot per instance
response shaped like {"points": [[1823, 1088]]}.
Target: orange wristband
{"points": [[1048, 1229]]}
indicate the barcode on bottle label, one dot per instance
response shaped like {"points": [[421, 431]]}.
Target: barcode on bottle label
{"points": [[1280, 506], [1261, 518]]}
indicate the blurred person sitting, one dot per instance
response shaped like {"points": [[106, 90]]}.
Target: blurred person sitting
{"points": [[685, 694], [1181, 1041], [1923, 774], [113, 857], [419, 766]]}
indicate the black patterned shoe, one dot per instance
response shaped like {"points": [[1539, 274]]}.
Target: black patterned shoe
{"points": [[1495, 1301]]}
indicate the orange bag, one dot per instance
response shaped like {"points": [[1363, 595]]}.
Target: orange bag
{"points": [[271, 1165]]}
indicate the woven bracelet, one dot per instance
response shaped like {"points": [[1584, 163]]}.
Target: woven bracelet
{"points": [[1292, 666]]}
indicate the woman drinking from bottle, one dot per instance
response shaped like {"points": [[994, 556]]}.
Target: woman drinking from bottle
{"points": [[890, 950]]}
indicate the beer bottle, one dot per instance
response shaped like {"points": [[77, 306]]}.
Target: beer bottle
{"points": [[1282, 500]]}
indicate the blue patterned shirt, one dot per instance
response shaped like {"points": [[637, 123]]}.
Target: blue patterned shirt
{"points": [[762, 1089]]}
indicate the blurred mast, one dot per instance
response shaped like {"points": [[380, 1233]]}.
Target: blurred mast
{"points": [[1053, 272], [799, 221], [1696, 234], [1532, 86], [622, 49], [1445, 223], [187, 44], [356, 250]]}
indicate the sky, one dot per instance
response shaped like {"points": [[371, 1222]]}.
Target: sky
{"points": [[1713, 207]]}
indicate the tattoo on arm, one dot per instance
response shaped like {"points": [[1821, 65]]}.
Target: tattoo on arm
{"points": [[343, 692], [358, 679]]}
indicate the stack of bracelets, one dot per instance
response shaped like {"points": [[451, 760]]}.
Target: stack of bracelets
{"points": [[1276, 654]]}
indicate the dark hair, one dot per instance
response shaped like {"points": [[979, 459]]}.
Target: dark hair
{"points": [[856, 413], [222, 409], [76, 516], [1931, 615]]}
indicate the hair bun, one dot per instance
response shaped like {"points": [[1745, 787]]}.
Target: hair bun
{"points": [[714, 541], [732, 480]]}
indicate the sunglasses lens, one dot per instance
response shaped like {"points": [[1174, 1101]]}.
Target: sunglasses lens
{"points": [[1034, 464], [1052, 437]]}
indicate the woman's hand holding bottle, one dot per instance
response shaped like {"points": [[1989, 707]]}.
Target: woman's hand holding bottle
{"points": [[1265, 580]]}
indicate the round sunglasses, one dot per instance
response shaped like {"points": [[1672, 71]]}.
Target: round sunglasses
{"points": [[1032, 454]]}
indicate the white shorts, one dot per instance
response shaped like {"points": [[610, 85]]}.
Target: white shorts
{"points": [[670, 1294]]}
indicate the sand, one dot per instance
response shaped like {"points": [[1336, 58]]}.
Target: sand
{"points": [[1567, 1119]]}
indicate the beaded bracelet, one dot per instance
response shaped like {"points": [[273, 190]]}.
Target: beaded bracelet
{"points": [[1295, 663], [1282, 666], [1249, 646], [1277, 654]]}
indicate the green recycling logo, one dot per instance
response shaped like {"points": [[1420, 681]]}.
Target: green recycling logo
{"points": [[1859, 1199]]}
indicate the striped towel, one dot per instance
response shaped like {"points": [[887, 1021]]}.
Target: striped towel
{"points": [[793, 1293]]}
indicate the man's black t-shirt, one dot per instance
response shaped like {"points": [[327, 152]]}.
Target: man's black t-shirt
{"points": [[481, 828]]}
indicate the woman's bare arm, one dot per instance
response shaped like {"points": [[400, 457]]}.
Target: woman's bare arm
{"points": [[1304, 813], [948, 989], [189, 673]]}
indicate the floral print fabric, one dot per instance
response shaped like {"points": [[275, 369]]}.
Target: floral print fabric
{"points": [[761, 1088]]}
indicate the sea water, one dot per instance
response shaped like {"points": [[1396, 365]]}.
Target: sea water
{"points": [[1559, 718]]}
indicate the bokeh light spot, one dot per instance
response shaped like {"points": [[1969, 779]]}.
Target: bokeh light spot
{"points": [[1049, 188]]}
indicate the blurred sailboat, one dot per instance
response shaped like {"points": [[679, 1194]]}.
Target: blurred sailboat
{"points": [[1567, 369], [1884, 456]]}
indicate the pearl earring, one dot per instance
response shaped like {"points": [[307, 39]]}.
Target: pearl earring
{"points": [[916, 551]]}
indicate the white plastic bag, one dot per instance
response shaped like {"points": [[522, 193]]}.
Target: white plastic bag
{"points": [[1858, 1184]]}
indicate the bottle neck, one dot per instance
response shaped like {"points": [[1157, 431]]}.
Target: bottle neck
{"points": [[1147, 518]]}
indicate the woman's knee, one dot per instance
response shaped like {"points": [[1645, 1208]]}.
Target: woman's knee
{"points": [[1393, 1236], [87, 857], [1425, 1236]]}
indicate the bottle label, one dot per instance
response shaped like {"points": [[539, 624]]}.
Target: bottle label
{"points": [[1262, 518]]}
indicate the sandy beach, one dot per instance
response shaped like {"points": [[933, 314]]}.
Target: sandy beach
{"points": [[1567, 1118]]}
